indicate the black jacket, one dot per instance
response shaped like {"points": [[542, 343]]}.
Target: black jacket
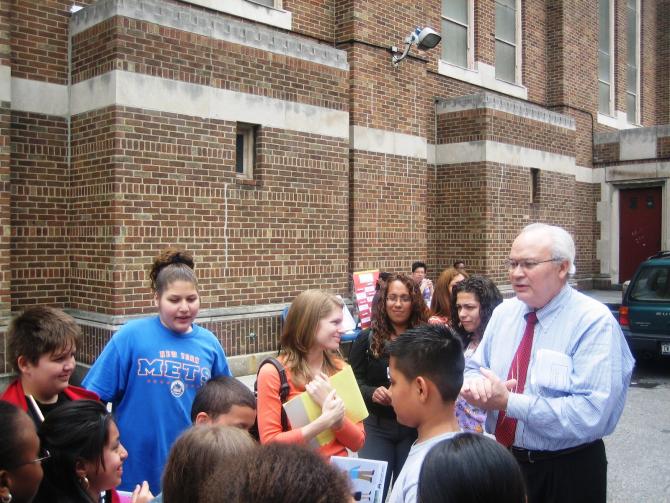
{"points": [[370, 373]]}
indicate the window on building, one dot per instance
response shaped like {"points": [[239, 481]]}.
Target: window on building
{"points": [[508, 41], [268, 3], [245, 150], [605, 59], [633, 61], [457, 32], [268, 12], [534, 185]]}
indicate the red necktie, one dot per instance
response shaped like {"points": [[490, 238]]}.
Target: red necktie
{"points": [[506, 426]]}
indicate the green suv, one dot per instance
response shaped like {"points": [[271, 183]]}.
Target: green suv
{"points": [[644, 314]]}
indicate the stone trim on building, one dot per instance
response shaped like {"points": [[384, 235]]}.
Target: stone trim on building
{"points": [[511, 106], [213, 25]]}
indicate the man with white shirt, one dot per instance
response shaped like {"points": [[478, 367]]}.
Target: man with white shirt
{"points": [[552, 370]]}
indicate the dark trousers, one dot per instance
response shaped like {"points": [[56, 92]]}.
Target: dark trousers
{"points": [[386, 440], [579, 476]]}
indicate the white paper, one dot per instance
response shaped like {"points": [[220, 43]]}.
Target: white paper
{"points": [[551, 370], [348, 323], [366, 278], [366, 476]]}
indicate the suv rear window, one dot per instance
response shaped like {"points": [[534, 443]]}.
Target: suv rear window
{"points": [[653, 284]]}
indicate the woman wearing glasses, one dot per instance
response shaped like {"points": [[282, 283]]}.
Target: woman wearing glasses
{"points": [[86, 460], [400, 308], [20, 456]]}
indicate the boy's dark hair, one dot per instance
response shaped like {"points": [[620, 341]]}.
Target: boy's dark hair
{"points": [[40, 330], [433, 352], [218, 395], [458, 262], [470, 468], [416, 265]]}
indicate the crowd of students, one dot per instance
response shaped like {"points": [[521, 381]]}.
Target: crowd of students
{"points": [[180, 421]]}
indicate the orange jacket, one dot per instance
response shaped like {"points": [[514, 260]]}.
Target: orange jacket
{"points": [[350, 436]]}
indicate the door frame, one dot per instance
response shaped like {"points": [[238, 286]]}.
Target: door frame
{"points": [[615, 223]]}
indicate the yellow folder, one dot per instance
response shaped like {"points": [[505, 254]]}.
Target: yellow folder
{"points": [[302, 410]]}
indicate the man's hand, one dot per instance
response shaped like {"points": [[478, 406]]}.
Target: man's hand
{"points": [[488, 392]]}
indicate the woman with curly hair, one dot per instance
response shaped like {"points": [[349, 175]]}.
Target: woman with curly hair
{"points": [[440, 306], [400, 307], [472, 303]]}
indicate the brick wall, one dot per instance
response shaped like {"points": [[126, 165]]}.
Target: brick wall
{"points": [[39, 210], [488, 124], [318, 207], [388, 212], [5, 170], [663, 62], [286, 232], [457, 229], [150, 49], [39, 39], [535, 49], [477, 209], [663, 148], [649, 59], [314, 18]]}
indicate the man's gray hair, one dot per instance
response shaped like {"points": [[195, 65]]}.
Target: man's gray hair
{"points": [[562, 244]]}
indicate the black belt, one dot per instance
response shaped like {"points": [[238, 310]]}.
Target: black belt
{"points": [[526, 456]]}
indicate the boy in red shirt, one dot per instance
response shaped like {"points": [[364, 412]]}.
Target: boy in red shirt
{"points": [[41, 344]]}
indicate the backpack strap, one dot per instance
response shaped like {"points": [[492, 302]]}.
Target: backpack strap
{"points": [[284, 387]]}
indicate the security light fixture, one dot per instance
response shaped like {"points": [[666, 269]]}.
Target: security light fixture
{"points": [[424, 38]]}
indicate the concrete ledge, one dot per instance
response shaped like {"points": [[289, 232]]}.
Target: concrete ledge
{"points": [[511, 106], [212, 25]]}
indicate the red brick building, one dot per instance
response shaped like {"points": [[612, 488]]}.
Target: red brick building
{"points": [[278, 142]]}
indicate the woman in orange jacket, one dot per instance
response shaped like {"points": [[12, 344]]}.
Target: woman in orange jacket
{"points": [[310, 354]]}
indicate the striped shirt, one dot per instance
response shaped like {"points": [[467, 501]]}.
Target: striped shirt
{"points": [[581, 328]]}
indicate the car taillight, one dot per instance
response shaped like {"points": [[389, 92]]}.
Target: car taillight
{"points": [[623, 316]]}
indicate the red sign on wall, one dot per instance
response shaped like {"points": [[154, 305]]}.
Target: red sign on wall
{"points": [[364, 290]]}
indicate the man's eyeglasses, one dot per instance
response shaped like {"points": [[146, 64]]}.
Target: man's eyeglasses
{"points": [[527, 265], [43, 455], [402, 298]]}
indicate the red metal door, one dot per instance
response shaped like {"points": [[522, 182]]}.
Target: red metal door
{"points": [[639, 228]]}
